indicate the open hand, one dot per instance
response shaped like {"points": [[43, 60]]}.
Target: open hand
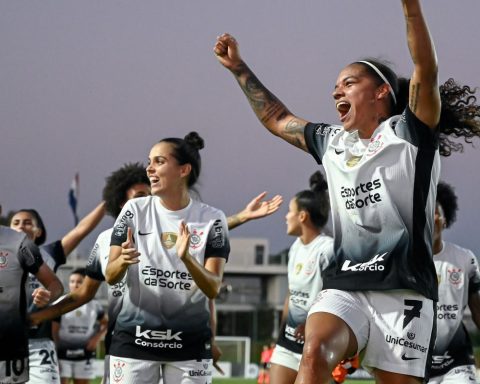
{"points": [[183, 241]]}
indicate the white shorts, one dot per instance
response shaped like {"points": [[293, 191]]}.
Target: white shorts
{"points": [[393, 327], [14, 371], [285, 357], [124, 370], [43, 362], [464, 374], [77, 369]]}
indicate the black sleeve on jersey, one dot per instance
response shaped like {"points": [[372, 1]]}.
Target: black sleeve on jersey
{"points": [[94, 267], [217, 241], [119, 233], [473, 286], [29, 256], [55, 250], [413, 130], [316, 136]]}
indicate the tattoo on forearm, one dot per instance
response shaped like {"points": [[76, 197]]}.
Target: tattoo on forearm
{"points": [[414, 92], [295, 129], [263, 102]]}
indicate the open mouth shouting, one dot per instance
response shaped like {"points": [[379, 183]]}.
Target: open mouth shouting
{"points": [[343, 108]]}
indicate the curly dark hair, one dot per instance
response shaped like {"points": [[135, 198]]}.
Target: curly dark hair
{"points": [[460, 116], [447, 199], [315, 201], [119, 182]]}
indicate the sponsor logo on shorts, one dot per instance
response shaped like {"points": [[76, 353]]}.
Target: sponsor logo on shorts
{"points": [[407, 358], [199, 372], [118, 370], [442, 361], [157, 339], [374, 264], [405, 343]]}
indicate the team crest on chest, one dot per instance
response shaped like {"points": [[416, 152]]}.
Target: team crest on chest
{"points": [[455, 276], [3, 259], [168, 239], [376, 144], [196, 239], [354, 160], [298, 268]]}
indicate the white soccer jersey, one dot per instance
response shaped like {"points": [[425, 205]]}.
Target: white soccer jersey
{"points": [[305, 266], [382, 193], [165, 316], [18, 257], [76, 329], [458, 274]]}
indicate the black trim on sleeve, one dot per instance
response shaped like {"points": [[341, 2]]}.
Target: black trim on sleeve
{"points": [[56, 251]]}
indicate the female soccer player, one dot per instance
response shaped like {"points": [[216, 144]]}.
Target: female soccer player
{"points": [[458, 286], [171, 249], [309, 255], [129, 182], [77, 334], [43, 361], [18, 257], [382, 167]]}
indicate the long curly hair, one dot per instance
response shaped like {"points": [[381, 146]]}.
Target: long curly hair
{"points": [[460, 116], [119, 182]]}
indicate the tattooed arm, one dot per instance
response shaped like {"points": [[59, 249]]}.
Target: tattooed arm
{"points": [[424, 95], [271, 112]]}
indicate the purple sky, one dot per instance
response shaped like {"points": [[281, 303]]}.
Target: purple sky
{"points": [[90, 85]]}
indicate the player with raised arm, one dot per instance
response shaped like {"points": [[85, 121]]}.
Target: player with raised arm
{"points": [[382, 167]]}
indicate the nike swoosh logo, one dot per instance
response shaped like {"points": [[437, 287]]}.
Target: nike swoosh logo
{"points": [[144, 233], [404, 357], [339, 152]]}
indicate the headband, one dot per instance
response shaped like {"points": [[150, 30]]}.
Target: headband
{"points": [[382, 76]]}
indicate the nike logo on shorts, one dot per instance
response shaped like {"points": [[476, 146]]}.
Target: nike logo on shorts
{"points": [[143, 233], [339, 151], [406, 358]]}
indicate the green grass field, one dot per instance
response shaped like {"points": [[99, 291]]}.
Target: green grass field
{"points": [[253, 381]]}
